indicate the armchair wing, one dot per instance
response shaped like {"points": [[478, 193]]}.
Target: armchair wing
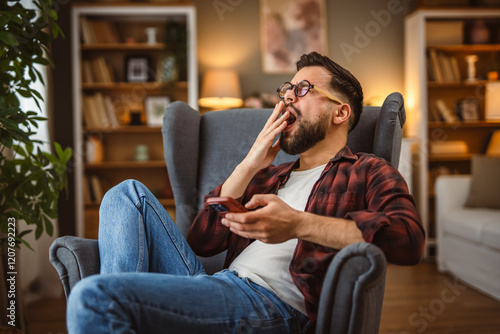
{"points": [[74, 259]]}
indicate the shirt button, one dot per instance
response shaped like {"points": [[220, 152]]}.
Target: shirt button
{"points": [[239, 251]]}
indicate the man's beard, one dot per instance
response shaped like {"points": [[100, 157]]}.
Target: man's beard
{"points": [[306, 135]]}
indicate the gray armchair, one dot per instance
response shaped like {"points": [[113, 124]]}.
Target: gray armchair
{"points": [[202, 150]]}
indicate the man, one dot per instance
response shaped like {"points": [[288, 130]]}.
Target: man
{"points": [[300, 215]]}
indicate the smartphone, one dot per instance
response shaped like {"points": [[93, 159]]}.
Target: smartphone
{"points": [[225, 204]]}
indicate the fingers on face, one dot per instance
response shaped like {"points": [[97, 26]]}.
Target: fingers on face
{"points": [[275, 114]]}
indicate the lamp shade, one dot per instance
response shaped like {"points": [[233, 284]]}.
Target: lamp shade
{"points": [[220, 90]]}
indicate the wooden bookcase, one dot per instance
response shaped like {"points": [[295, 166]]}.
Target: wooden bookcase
{"points": [[116, 71], [426, 121]]}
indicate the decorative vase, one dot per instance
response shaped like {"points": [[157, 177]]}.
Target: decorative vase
{"points": [[479, 33]]}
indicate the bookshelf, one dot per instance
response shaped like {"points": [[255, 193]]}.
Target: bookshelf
{"points": [[125, 55], [440, 99]]}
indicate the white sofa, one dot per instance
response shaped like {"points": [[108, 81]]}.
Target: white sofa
{"points": [[468, 239]]}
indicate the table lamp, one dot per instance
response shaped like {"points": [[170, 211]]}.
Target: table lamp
{"points": [[220, 90]]}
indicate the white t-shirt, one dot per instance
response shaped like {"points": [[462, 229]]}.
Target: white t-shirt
{"points": [[268, 264]]}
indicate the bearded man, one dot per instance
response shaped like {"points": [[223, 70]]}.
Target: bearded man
{"points": [[300, 215]]}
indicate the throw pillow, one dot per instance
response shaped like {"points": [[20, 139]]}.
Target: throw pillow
{"points": [[485, 183]]}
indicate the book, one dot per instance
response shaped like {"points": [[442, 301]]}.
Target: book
{"points": [[87, 74], [101, 70], [449, 147], [437, 73], [111, 32], [457, 76], [494, 144], [88, 34], [434, 114], [446, 113], [104, 121], [107, 32], [96, 187], [96, 69], [443, 68], [110, 110], [90, 115]]}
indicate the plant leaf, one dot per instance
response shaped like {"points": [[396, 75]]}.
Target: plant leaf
{"points": [[8, 39]]}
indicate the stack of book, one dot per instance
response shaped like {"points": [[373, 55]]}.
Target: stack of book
{"points": [[99, 112], [442, 68], [97, 70], [95, 32]]}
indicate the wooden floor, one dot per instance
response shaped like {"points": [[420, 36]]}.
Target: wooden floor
{"points": [[417, 300]]}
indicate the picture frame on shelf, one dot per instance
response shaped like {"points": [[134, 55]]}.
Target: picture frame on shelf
{"points": [[467, 109], [155, 108], [137, 69], [285, 36]]}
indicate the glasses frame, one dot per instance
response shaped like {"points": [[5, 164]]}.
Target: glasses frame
{"points": [[310, 86]]}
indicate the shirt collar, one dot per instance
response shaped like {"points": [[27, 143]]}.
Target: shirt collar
{"points": [[344, 153]]}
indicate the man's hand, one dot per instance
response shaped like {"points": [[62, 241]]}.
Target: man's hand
{"points": [[263, 151], [276, 222], [273, 222], [261, 155]]}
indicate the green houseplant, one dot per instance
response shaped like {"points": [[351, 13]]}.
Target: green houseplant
{"points": [[30, 179]]}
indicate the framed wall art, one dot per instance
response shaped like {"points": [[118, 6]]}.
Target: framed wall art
{"points": [[288, 30]]}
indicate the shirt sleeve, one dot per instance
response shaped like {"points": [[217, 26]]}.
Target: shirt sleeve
{"points": [[207, 236], [391, 220]]}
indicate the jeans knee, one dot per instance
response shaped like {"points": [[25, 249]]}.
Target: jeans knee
{"points": [[128, 190], [84, 295], [90, 302]]}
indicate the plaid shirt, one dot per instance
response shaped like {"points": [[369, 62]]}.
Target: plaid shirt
{"points": [[360, 187]]}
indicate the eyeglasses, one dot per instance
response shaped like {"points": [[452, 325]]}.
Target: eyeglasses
{"points": [[302, 88]]}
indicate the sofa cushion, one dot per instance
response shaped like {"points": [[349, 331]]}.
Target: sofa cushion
{"points": [[485, 184], [475, 224]]}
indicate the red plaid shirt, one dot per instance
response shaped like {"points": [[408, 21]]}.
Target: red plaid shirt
{"points": [[361, 187]]}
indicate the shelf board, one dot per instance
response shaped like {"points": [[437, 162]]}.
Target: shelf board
{"points": [[130, 85], [464, 124], [461, 84], [125, 129], [467, 48], [140, 5], [123, 47], [125, 165], [163, 201], [450, 157]]}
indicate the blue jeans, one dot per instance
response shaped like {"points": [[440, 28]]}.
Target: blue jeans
{"points": [[152, 282]]}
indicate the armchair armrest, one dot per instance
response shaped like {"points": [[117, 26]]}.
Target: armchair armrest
{"points": [[74, 258], [353, 291]]}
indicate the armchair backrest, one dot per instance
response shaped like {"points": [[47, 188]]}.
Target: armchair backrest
{"points": [[201, 151]]}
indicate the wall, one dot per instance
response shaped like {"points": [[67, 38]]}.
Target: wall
{"points": [[364, 36]]}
